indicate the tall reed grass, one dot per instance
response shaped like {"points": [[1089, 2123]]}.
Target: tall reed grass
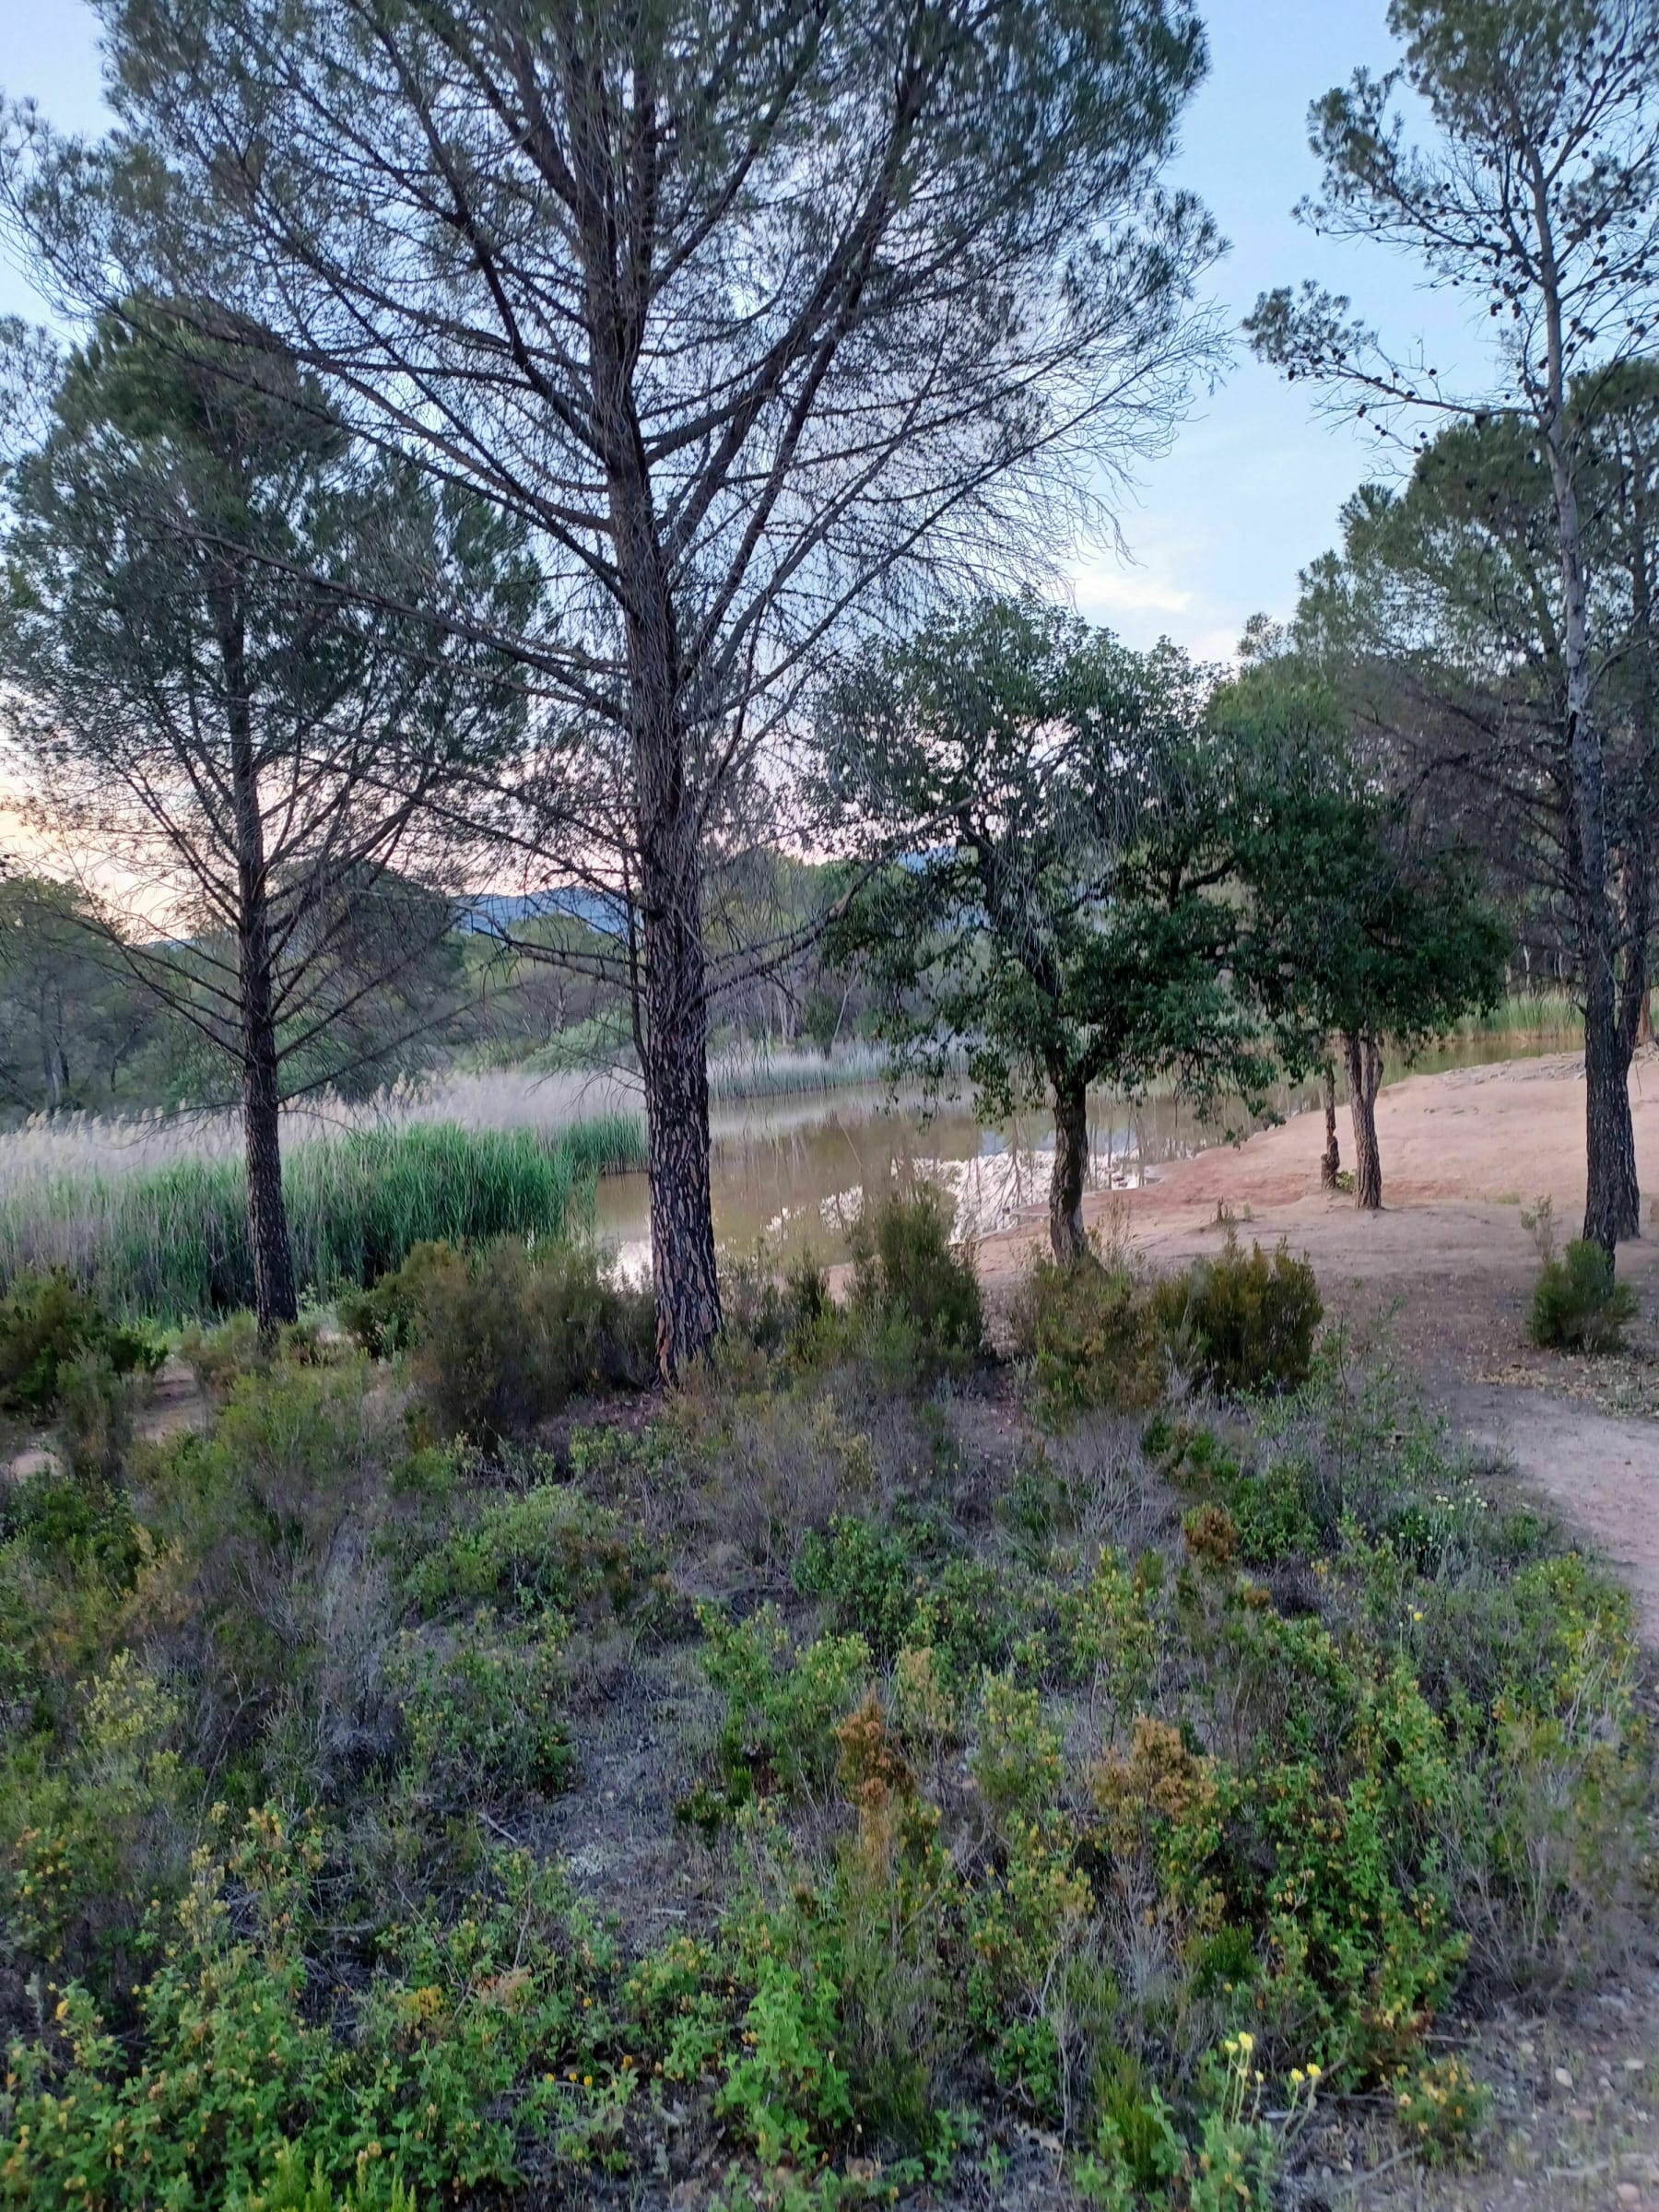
{"points": [[172, 1242], [1527, 1014], [746, 1071]]}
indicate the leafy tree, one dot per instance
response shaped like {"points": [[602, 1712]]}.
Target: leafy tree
{"points": [[1359, 925], [70, 1017], [754, 313], [1438, 623], [1539, 189], [233, 674], [1057, 913]]}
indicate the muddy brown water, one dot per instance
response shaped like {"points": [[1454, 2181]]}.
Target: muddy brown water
{"points": [[789, 1174]]}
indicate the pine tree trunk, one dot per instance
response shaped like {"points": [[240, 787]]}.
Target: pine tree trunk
{"points": [[1612, 1197], [1066, 1234], [671, 1001], [1330, 1165], [1363, 1057], [677, 1113], [1612, 1200], [674, 994], [276, 1298]]}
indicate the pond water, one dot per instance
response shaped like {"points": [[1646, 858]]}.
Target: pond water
{"points": [[790, 1173]]}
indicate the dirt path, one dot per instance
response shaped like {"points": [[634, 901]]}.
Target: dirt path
{"points": [[1447, 1270], [1601, 1474]]}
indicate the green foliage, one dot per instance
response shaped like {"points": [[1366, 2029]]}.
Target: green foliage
{"points": [[788, 2090], [1248, 1324], [1577, 1304], [239, 2094], [1092, 1335], [482, 1707], [1358, 924], [781, 1703], [1100, 1335], [912, 1289], [1052, 921], [511, 1334], [543, 1550], [46, 1326], [174, 1243], [870, 1572]]}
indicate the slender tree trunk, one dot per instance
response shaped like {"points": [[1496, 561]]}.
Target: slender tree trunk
{"points": [[1363, 1057], [676, 1111], [1066, 1234], [1612, 1197], [276, 1298], [670, 1001], [1613, 1200], [1330, 1165], [674, 984]]}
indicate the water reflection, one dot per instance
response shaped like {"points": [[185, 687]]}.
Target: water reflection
{"points": [[790, 1173]]}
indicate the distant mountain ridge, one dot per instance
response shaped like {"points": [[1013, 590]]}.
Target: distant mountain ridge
{"points": [[497, 911]]}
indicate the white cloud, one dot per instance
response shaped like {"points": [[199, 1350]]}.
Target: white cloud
{"points": [[1108, 589]]}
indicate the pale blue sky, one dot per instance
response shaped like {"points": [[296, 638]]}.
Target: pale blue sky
{"points": [[1253, 487]]}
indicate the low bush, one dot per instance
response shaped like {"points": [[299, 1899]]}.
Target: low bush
{"points": [[548, 1549], [482, 1705], [46, 1326], [1091, 1335], [465, 2037], [782, 1702], [913, 1291], [1578, 1306], [1100, 1336], [508, 1336], [1244, 1323]]}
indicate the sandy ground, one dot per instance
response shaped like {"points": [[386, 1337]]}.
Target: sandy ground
{"points": [[1447, 1270]]}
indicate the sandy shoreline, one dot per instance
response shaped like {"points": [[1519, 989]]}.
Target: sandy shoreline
{"points": [[1446, 1269]]}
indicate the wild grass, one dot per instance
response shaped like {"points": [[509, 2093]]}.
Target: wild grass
{"points": [[171, 1242], [1527, 1014], [753, 1071]]}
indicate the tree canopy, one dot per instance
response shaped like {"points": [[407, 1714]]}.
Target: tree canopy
{"points": [[1056, 910]]}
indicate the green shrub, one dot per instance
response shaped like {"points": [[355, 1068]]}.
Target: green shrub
{"points": [[782, 1702], [1248, 1324], [46, 1325], [1577, 1305], [871, 1574], [547, 1549], [510, 1335], [482, 1707], [910, 1283], [1091, 1335], [471, 2039], [769, 1312]]}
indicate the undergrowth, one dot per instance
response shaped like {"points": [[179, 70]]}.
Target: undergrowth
{"points": [[1146, 1786]]}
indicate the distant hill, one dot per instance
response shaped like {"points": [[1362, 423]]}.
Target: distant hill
{"points": [[499, 910]]}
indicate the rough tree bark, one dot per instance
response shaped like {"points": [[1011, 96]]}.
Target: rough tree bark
{"points": [[1068, 1236], [1330, 1164], [666, 831], [1613, 1199], [276, 1298], [1362, 1055]]}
